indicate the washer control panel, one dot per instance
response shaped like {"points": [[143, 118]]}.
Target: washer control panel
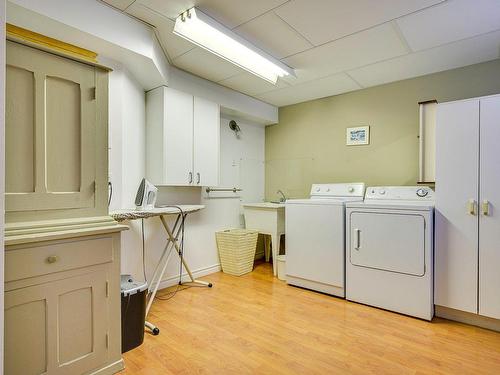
{"points": [[410, 193], [355, 189]]}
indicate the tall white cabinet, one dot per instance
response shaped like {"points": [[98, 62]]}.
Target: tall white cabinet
{"points": [[467, 249], [183, 139]]}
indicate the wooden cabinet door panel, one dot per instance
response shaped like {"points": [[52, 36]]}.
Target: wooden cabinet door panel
{"points": [[58, 328], [51, 164], [19, 142], [81, 323], [26, 332]]}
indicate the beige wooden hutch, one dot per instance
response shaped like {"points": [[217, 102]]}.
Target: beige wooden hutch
{"points": [[62, 255]]}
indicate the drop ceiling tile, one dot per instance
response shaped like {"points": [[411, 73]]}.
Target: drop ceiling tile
{"points": [[273, 35], [366, 47], [206, 65], [327, 86], [250, 84], [449, 22], [231, 13], [169, 8], [120, 4], [321, 21], [174, 45], [454, 55]]}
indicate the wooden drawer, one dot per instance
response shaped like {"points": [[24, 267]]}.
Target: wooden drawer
{"points": [[21, 263]]}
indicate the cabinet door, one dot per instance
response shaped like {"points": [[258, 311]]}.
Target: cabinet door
{"points": [[50, 131], [457, 178], [59, 326], [26, 332], [206, 142], [178, 138], [489, 222]]}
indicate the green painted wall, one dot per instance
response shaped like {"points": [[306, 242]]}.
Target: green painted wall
{"points": [[308, 144]]}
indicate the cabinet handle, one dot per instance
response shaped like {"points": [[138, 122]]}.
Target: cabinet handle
{"points": [[198, 178], [52, 259], [471, 207], [357, 233], [486, 207], [190, 177]]}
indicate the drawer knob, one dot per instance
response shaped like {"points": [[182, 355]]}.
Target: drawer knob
{"points": [[52, 259]]}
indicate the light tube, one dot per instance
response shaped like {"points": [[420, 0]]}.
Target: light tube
{"points": [[204, 31]]}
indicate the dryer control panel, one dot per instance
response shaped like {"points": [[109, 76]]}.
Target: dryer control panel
{"points": [[406, 193]]}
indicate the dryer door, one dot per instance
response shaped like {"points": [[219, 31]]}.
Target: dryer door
{"points": [[392, 242]]}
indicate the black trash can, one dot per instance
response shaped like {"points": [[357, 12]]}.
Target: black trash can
{"points": [[133, 312]]}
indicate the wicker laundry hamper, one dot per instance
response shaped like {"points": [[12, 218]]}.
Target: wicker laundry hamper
{"points": [[237, 250]]}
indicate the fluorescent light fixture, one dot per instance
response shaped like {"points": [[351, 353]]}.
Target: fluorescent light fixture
{"points": [[204, 31]]}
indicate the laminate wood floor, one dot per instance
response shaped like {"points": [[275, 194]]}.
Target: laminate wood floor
{"points": [[256, 324]]}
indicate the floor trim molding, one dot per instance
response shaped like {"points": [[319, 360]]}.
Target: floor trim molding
{"points": [[467, 318]]}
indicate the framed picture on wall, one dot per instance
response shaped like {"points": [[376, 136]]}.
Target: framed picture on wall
{"points": [[358, 136]]}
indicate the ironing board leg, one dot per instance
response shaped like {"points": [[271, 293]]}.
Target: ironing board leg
{"points": [[193, 280], [173, 236], [176, 245], [164, 253], [154, 329], [152, 295], [157, 277]]}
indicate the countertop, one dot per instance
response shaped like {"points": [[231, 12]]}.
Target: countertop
{"points": [[264, 205]]}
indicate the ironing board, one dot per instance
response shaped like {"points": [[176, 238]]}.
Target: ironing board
{"points": [[171, 244]]}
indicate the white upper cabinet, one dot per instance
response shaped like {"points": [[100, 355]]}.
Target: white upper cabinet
{"points": [[182, 141], [206, 142]]}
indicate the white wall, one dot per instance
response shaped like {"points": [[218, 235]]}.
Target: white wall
{"points": [[2, 168], [127, 123], [242, 165]]}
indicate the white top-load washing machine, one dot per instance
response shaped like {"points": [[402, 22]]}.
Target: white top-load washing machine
{"points": [[315, 237], [389, 250]]}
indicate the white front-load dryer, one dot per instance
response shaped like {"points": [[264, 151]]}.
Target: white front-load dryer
{"points": [[389, 250]]}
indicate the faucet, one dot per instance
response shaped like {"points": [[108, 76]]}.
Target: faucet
{"points": [[283, 197]]}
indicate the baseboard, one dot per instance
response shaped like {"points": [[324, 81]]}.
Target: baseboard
{"points": [[200, 272], [259, 255], [316, 286], [110, 369], [467, 318]]}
